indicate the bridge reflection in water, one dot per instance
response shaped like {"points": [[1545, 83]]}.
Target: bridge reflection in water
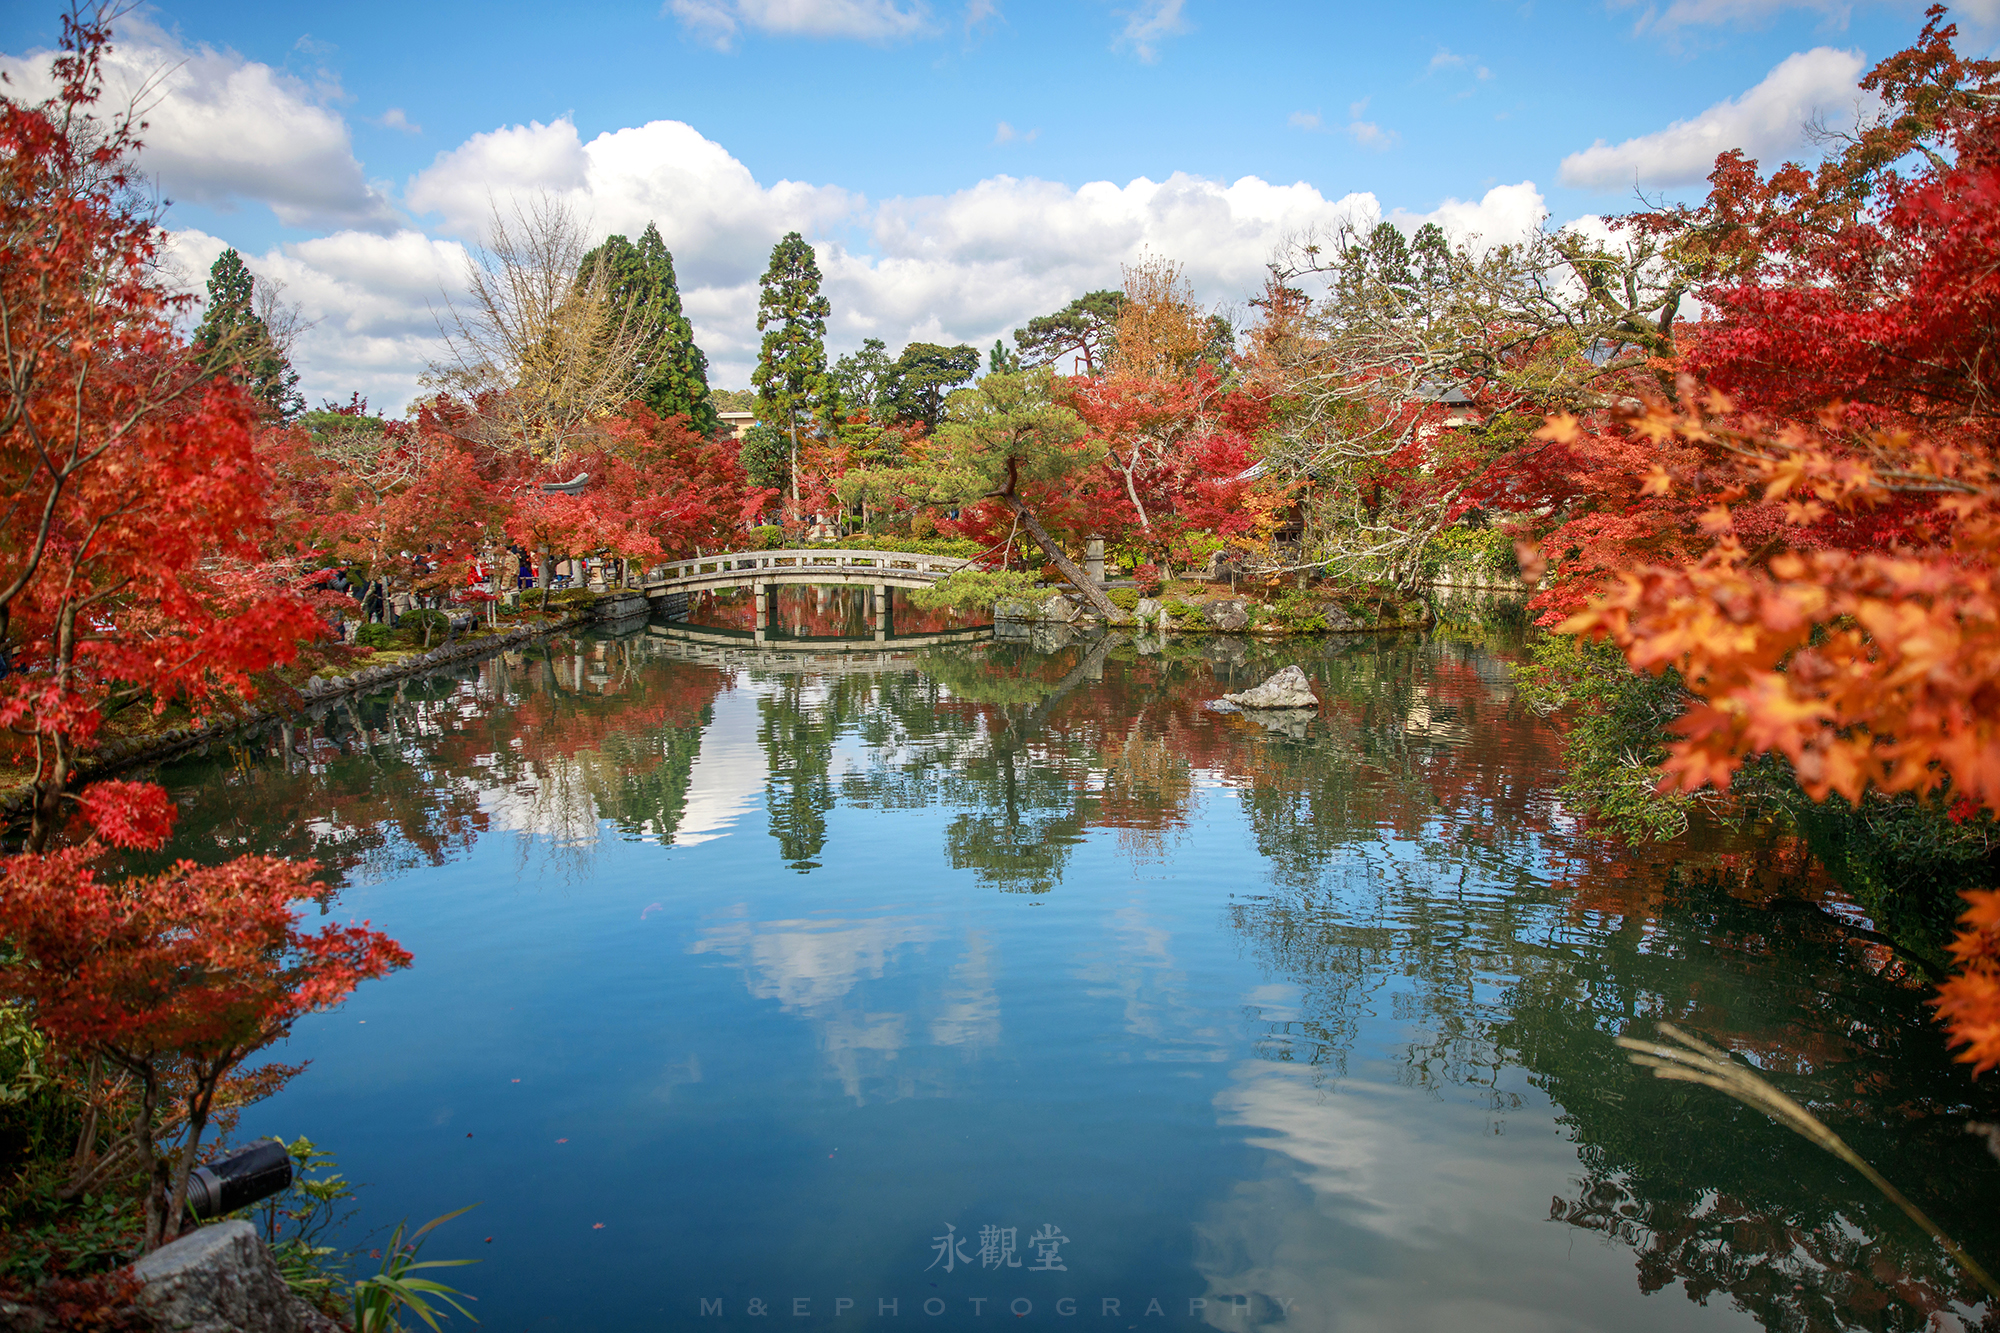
{"points": [[737, 648], [822, 619]]}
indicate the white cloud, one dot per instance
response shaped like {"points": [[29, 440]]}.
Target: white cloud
{"points": [[965, 266], [1328, 1222], [1737, 13], [1366, 132], [1006, 133], [371, 295], [1370, 135], [978, 13], [1147, 23], [222, 130], [715, 217], [1768, 120], [719, 21], [394, 119], [1503, 214], [1448, 59]]}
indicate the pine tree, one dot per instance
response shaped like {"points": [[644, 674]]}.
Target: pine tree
{"points": [[238, 342], [860, 377], [921, 377], [792, 383], [674, 370]]}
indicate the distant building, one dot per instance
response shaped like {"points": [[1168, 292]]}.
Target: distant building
{"points": [[739, 423]]}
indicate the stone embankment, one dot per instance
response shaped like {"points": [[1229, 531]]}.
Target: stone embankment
{"points": [[1220, 615], [156, 747], [1471, 596]]}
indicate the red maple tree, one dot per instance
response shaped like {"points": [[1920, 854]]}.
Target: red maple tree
{"points": [[1855, 626], [1176, 447], [133, 486], [176, 978], [133, 529]]}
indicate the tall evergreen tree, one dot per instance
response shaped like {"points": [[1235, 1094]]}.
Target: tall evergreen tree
{"points": [[674, 371], [792, 383], [239, 343]]}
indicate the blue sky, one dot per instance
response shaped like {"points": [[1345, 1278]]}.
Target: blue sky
{"points": [[961, 168]]}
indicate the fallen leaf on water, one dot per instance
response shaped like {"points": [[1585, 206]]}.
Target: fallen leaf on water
{"points": [[562, 1140], [597, 1226]]}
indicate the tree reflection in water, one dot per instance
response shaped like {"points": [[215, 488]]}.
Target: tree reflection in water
{"points": [[1415, 861]]}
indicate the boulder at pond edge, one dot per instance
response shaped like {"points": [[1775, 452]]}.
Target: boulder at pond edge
{"points": [[222, 1279]]}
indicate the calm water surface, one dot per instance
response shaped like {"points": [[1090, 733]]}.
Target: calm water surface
{"points": [[1008, 981]]}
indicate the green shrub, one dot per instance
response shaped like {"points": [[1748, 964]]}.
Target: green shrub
{"points": [[770, 537], [1904, 858], [379, 1300], [975, 589], [957, 546], [1299, 611], [1614, 745], [423, 618], [1485, 550], [298, 1221], [375, 636], [1125, 599]]}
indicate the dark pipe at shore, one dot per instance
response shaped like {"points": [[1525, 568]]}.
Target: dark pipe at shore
{"points": [[254, 1172]]}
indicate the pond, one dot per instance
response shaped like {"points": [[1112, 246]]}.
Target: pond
{"points": [[1005, 980]]}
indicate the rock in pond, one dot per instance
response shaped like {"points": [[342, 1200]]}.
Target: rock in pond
{"points": [[1287, 689]]}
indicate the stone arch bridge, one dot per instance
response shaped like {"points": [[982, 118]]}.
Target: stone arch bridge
{"points": [[765, 572]]}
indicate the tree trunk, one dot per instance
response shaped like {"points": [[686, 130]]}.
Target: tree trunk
{"points": [[199, 1101], [158, 1173], [85, 1155], [1132, 490], [792, 466], [1081, 581]]}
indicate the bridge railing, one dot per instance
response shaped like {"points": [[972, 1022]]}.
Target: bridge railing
{"points": [[898, 564]]}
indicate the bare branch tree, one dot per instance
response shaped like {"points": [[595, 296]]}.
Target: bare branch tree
{"points": [[1393, 361], [284, 321], [540, 352]]}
